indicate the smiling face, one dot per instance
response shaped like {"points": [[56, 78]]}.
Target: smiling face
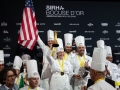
{"points": [[10, 78], [60, 54], [109, 58], [81, 50], [50, 42], [68, 49]]}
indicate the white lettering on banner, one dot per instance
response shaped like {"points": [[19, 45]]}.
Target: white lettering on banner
{"points": [[118, 31], [117, 53], [104, 39], [7, 47], [88, 38], [118, 24], [6, 39], [117, 45], [59, 11], [6, 55], [40, 31], [3, 24], [5, 31], [9, 64], [59, 31], [52, 7], [57, 23], [74, 24], [77, 13], [118, 39], [42, 23], [18, 23], [89, 45], [104, 24], [105, 32], [90, 24], [73, 31], [89, 31]]}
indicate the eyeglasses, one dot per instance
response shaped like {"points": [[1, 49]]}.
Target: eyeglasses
{"points": [[11, 76]]}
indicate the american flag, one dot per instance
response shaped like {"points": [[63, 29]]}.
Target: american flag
{"points": [[28, 30]]}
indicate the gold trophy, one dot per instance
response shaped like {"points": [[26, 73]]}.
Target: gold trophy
{"points": [[55, 44]]}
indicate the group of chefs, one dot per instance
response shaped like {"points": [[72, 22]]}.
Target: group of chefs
{"points": [[63, 67]]}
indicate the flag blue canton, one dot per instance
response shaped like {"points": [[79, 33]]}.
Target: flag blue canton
{"points": [[29, 3]]}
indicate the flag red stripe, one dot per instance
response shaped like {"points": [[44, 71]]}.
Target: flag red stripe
{"points": [[23, 28], [34, 27], [28, 24], [27, 43], [33, 34], [20, 42], [33, 45], [28, 35], [35, 21]]}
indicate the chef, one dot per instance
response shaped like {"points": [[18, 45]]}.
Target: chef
{"points": [[61, 69], [17, 66], [46, 66], [112, 71], [80, 60], [33, 76], [97, 70]]}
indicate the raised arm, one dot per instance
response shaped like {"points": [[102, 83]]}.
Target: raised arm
{"points": [[41, 44], [49, 57]]}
